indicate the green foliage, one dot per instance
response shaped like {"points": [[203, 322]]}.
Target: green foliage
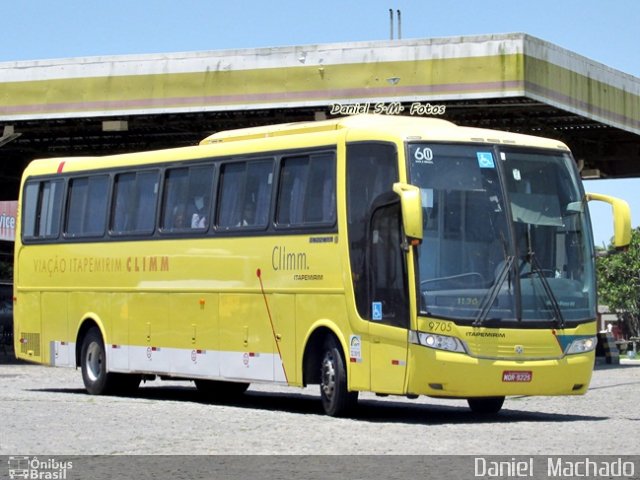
{"points": [[619, 285]]}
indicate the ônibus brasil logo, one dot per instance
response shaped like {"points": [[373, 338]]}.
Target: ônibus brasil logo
{"points": [[38, 468]]}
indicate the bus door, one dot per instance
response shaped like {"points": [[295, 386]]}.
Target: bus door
{"points": [[378, 268], [388, 296]]}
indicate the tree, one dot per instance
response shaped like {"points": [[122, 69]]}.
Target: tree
{"points": [[619, 285]]}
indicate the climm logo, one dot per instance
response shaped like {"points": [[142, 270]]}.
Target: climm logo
{"points": [[282, 259], [148, 264]]}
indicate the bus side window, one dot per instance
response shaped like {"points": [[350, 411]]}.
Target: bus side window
{"points": [[87, 206], [307, 193], [245, 194], [42, 208], [134, 204], [186, 198]]}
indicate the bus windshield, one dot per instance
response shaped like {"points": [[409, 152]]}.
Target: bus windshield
{"points": [[506, 236]]}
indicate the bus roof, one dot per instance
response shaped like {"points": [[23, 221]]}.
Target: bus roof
{"points": [[419, 128], [362, 121]]}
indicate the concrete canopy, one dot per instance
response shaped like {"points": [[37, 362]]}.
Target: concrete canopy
{"points": [[515, 82]]}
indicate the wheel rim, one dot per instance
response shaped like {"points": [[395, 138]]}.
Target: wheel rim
{"points": [[328, 375], [94, 361]]}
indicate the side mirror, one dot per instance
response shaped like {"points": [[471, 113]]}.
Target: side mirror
{"points": [[621, 218], [411, 205]]}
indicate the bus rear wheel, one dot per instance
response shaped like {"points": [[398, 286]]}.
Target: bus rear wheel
{"points": [[336, 399], [485, 405], [93, 362]]}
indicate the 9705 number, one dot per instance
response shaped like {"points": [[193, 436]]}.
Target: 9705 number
{"points": [[439, 326]]}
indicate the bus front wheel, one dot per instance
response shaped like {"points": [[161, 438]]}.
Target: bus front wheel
{"points": [[486, 405], [336, 399]]}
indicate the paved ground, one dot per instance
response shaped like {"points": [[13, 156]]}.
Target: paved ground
{"points": [[46, 411]]}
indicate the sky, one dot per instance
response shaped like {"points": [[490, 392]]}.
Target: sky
{"points": [[602, 30]]}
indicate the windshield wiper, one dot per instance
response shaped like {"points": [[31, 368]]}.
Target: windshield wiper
{"points": [[537, 268], [492, 294]]}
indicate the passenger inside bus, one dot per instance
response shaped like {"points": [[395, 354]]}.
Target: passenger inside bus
{"points": [[197, 212], [179, 217]]}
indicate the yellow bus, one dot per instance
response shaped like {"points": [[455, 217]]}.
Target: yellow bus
{"points": [[395, 255]]}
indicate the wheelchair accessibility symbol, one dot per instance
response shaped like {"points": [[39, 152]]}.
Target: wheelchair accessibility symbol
{"points": [[376, 310]]}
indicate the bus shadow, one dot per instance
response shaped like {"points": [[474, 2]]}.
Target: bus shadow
{"points": [[368, 410], [427, 414]]}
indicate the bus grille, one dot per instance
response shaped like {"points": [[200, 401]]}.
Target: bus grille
{"points": [[30, 341], [516, 349]]}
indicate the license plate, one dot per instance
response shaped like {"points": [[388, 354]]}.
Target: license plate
{"points": [[516, 376]]}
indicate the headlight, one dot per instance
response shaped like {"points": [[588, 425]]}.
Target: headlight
{"points": [[439, 342], [581, 345]]}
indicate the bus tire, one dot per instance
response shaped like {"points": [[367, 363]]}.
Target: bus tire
{"points": [[485, 405], [336, 399], [93, 362]]}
